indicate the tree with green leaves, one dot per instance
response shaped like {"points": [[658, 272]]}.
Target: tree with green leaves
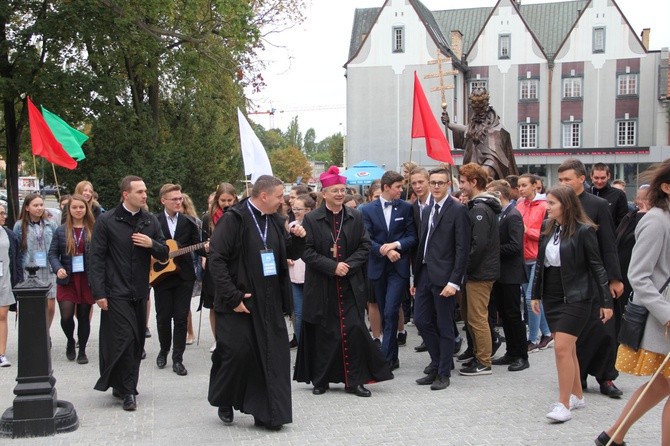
{"points": [[289, 164]]}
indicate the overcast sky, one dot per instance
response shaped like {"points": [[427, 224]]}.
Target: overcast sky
{"points": [[304, 73]]}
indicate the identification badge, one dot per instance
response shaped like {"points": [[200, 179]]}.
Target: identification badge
{"points": [[41, 259], [268, 261], [78, 264]]}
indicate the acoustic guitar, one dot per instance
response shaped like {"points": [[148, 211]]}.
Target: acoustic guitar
{"points": [[160, 270]]}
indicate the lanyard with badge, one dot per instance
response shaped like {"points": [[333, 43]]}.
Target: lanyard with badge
{"points": [[40, 254], [267, 256], [77, 259]]}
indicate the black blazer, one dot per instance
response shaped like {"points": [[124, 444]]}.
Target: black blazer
{"points": [[59, 258], [186, 234], [597, 209], [582, 271], [448, 245], [512, 266]]}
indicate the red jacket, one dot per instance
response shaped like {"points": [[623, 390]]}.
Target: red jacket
{"points": [[533, 214]]}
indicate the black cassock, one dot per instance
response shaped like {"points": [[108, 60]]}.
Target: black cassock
{"points": [[335, 345], [251, 363]]}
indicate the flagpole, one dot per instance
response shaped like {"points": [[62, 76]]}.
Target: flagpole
{"points": [[53, 167], [411, 147], [34, 166]]}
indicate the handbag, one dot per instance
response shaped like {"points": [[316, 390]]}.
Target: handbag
{"points": [[634, 320]]}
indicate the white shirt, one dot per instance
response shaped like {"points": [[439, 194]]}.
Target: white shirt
{"points": [[387, 211], [552, 253], [430, 221], [172, 223]]}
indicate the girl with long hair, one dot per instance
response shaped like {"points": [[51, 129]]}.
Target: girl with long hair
{"points": [[35, 232], [224, 197], [68, 260], [568, 263], [85, 189]]}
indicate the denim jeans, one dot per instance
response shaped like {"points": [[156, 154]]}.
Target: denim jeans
{"points": [[297, 308], [536, 322]]}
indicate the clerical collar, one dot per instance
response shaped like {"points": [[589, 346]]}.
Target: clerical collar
{"points": [[129, 211], [332, 211], [255, 207]]}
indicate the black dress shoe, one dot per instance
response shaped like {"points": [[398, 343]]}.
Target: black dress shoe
{"points": [[161, 360], [584, 384], [70, 352], [320, 390], [429, 369], [603, 439], [421, 348], [608, 388], [147, 333], [116, 393], [457, 346], [144, 354], [226, 414], [358, 391], [503, 360], [402, 338], [179, 369], [129, 402], [440, 383], [518, 365], [428, 379]]}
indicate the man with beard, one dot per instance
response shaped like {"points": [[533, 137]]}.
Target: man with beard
{"points": [[484, 140], [123, 241], [335, 345], [248, 261]]}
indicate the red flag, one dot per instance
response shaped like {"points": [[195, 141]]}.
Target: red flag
{"points": [[44, 142], [425, 125]]}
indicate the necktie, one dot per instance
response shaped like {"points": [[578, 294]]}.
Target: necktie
{"points": [[434, 220]]}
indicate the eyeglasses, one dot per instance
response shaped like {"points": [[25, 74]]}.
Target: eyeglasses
{"points": [[438, 183], [176, 200], [338, 191], [298, 209]]}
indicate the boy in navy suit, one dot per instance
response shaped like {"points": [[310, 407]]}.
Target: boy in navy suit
{"points": [[390, 224]]}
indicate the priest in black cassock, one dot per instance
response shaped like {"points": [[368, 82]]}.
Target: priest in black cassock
{"points": [[335, 345], [251, 364]]}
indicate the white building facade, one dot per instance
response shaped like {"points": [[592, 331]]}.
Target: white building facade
{"points": [[567, 79]]}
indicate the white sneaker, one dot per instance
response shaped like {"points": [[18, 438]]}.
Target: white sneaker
{"points": [[559, 413], [4, 362], [577, 403], [212, 348]]}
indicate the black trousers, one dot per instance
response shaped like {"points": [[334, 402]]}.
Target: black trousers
{"points": [[173, 301], [507, 299]]}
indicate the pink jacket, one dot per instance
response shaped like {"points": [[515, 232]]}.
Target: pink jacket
{"points": [[533, 214]]}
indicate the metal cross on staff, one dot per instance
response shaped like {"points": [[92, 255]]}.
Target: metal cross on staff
{"points": [[441, 73]]}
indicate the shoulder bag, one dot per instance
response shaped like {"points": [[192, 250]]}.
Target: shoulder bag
{"points": [[634, 320]]}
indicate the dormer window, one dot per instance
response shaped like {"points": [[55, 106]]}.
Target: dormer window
{"points": [[398, 39], [504, 46]]}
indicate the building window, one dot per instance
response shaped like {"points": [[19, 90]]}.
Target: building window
{"points": [[528, 136], [626, 84], [626, 133], [398, 39], [504, 46], [572, 135], [528, 89], [478, 84], [599, 40], [572, 87]]}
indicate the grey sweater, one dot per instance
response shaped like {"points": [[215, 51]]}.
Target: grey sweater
{"points": [[648, 271]]}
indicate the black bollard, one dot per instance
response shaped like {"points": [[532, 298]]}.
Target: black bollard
{"points": [[36, 411]]}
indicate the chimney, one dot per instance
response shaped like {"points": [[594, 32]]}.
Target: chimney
{"points": [[645, 38], [457, 43]]}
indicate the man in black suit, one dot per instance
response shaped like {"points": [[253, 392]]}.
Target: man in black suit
{"points": [[439, 267], [597, 345], [506, 293], [173, 293]]}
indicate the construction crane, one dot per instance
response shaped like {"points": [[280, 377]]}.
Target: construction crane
{"points": [[272, 111]]}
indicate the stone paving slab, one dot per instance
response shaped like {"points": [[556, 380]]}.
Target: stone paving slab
{"points": [[504, 408]]}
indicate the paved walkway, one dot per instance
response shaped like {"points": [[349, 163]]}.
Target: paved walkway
{"points": [[504, 408]]}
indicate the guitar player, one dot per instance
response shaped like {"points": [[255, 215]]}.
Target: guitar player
{"points": [[173, 293]]}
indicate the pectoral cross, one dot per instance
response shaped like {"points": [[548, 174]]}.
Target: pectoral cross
{"points": [[334, 250]]}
